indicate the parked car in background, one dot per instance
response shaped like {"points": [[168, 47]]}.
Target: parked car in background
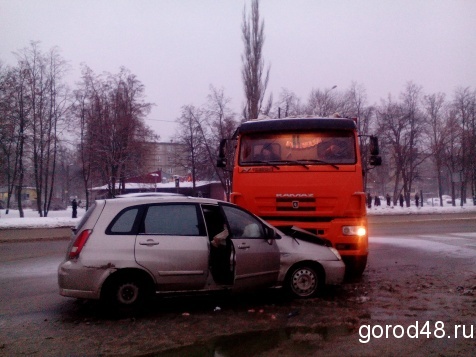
{"points": [[126, 250]]}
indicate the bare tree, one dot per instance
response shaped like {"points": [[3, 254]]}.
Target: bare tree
{"points": [[48, 102], [392, 130], [413, 139], [112, 132], [11, 116], [329, 102], [83, 108], [402, 127], [16, 107], [356, 104], [222, 124], [437, 132], [453, 150], [191, 135], [288, 105], [464, 105], [253, 64]]}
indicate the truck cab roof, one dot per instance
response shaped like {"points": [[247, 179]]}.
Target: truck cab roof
{"points": [[297, 124]]}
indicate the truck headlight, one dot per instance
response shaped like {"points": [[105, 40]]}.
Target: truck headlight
{"points": [[359, 231]]}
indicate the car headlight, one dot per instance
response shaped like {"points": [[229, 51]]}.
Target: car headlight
{"points": [[359, 231]]}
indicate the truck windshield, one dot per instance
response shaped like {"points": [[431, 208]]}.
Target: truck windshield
{"points": [[327, 147]]}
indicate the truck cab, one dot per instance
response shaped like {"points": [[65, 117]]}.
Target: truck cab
{"points": [[305, 172]]}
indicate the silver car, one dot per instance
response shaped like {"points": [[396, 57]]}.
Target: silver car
{"points": [[124, 251]]}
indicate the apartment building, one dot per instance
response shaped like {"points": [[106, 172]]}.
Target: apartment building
{"points": [[167, 158]]}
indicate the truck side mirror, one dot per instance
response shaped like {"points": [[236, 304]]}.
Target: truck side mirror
{"points": [[375, 160], [221, 161], [374, 150]]}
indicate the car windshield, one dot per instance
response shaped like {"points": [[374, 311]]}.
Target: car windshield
{"points": [[326, 147]]}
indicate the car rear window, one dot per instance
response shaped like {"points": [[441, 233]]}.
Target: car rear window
{"points": [[173, 219], [124, 222]]}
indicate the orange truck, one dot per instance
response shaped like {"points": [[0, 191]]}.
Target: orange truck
{"points": [[305, 172]]}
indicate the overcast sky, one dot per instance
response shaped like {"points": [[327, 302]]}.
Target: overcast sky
{"points": [[178, 48]]}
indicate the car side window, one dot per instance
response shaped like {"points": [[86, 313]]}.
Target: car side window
{"points": [[123, 223], [243, 224], [213, 219], [173, 219]]}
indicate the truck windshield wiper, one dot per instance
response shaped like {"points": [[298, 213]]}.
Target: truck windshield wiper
{"points": [[297, 162], [316, 161], [303, 163], [268, 163]]}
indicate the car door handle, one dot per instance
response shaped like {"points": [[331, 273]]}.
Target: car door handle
{"points": [[244, 246], [149, 243]]}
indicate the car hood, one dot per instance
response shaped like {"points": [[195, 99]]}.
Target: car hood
{"points": [[303, 235], [302, 245]]}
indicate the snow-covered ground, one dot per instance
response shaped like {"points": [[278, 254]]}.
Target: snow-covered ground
{"points": [[428, 208], [63, 218], [33, 220]]}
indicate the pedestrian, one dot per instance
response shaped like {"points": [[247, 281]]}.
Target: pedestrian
{"points": [[417, 199], [377, 201], [369, 200], [74, 205], [401, 200], [388, 199]]}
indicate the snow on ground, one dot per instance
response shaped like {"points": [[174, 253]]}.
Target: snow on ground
{"points": [[426, 209], [33, 220], [63, 218]]}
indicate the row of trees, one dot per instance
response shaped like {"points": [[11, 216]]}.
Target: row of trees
{"points": [[46, 129], [33, 105], [96, 131], [429, 130]]}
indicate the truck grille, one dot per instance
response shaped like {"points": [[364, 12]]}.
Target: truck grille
{"points": [[295, 204]]}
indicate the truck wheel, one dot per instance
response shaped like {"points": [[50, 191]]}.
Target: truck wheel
{"points": [[303, 281]]}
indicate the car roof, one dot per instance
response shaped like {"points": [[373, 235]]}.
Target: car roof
{"points": [[129, 201], [148, 194]]}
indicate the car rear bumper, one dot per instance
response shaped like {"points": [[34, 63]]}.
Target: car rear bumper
{"points": [[75, 280]]}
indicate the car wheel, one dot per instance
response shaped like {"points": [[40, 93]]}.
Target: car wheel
{"points": [[127, 292], [303, 281]]}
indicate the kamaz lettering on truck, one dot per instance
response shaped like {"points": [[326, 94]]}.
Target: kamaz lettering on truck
{"points": [[305, 172]]}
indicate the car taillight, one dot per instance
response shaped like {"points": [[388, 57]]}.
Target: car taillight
{"points": [[79, 243]]}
